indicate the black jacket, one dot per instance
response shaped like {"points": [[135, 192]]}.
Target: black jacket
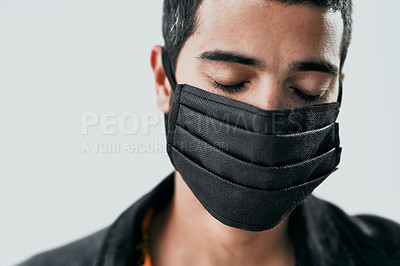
{"points": [[322, 234]]}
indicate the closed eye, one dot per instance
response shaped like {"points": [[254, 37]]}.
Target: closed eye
{"points": [[230, 88], [306, 97]]}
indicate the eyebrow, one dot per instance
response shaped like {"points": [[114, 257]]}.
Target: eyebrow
{"points": [[230, 57], [318, 65]]}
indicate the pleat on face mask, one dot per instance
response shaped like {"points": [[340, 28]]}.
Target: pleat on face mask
{"points": [[249, 174], [250, 146]]}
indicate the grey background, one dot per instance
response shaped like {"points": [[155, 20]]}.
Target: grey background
{"points": [[62, 59]]}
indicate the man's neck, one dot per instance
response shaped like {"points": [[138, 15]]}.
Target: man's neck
{"points": [[186, 234]]}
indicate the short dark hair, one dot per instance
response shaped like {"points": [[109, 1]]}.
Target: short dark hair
{"points": [[180, 21]]}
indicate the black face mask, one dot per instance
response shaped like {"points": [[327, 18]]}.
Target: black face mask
{"points": [[249, 167]]}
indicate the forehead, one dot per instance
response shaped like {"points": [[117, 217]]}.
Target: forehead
{"points": [[268, 29]]}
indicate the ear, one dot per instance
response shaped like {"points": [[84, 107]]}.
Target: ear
{"points": [[342, 77], [163, 88]]}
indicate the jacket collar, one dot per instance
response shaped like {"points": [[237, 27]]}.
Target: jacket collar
{"points": [[119, 245]]}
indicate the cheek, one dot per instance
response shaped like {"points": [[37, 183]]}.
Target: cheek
{"points": [[333, 92]]}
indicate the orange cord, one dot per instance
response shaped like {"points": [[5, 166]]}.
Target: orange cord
{"points": [[144, 246]]}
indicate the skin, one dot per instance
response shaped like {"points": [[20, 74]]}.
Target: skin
{"points": [[279, 37]]}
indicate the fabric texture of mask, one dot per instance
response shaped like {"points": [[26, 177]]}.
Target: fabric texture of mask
{"points": [[247, 166]]}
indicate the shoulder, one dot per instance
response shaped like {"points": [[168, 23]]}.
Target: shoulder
{"points": [[378, 236], [375, 238], [113, 244], [78, 253]]}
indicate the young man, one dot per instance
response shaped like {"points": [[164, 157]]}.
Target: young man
{"points": [[251, 91]]}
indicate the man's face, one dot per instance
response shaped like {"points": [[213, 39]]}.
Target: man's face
{"points": [[268, 54]]}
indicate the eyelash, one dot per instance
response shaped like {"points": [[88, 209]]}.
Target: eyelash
{"points": [[304, 96], [239, 86], [230, 88]]}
